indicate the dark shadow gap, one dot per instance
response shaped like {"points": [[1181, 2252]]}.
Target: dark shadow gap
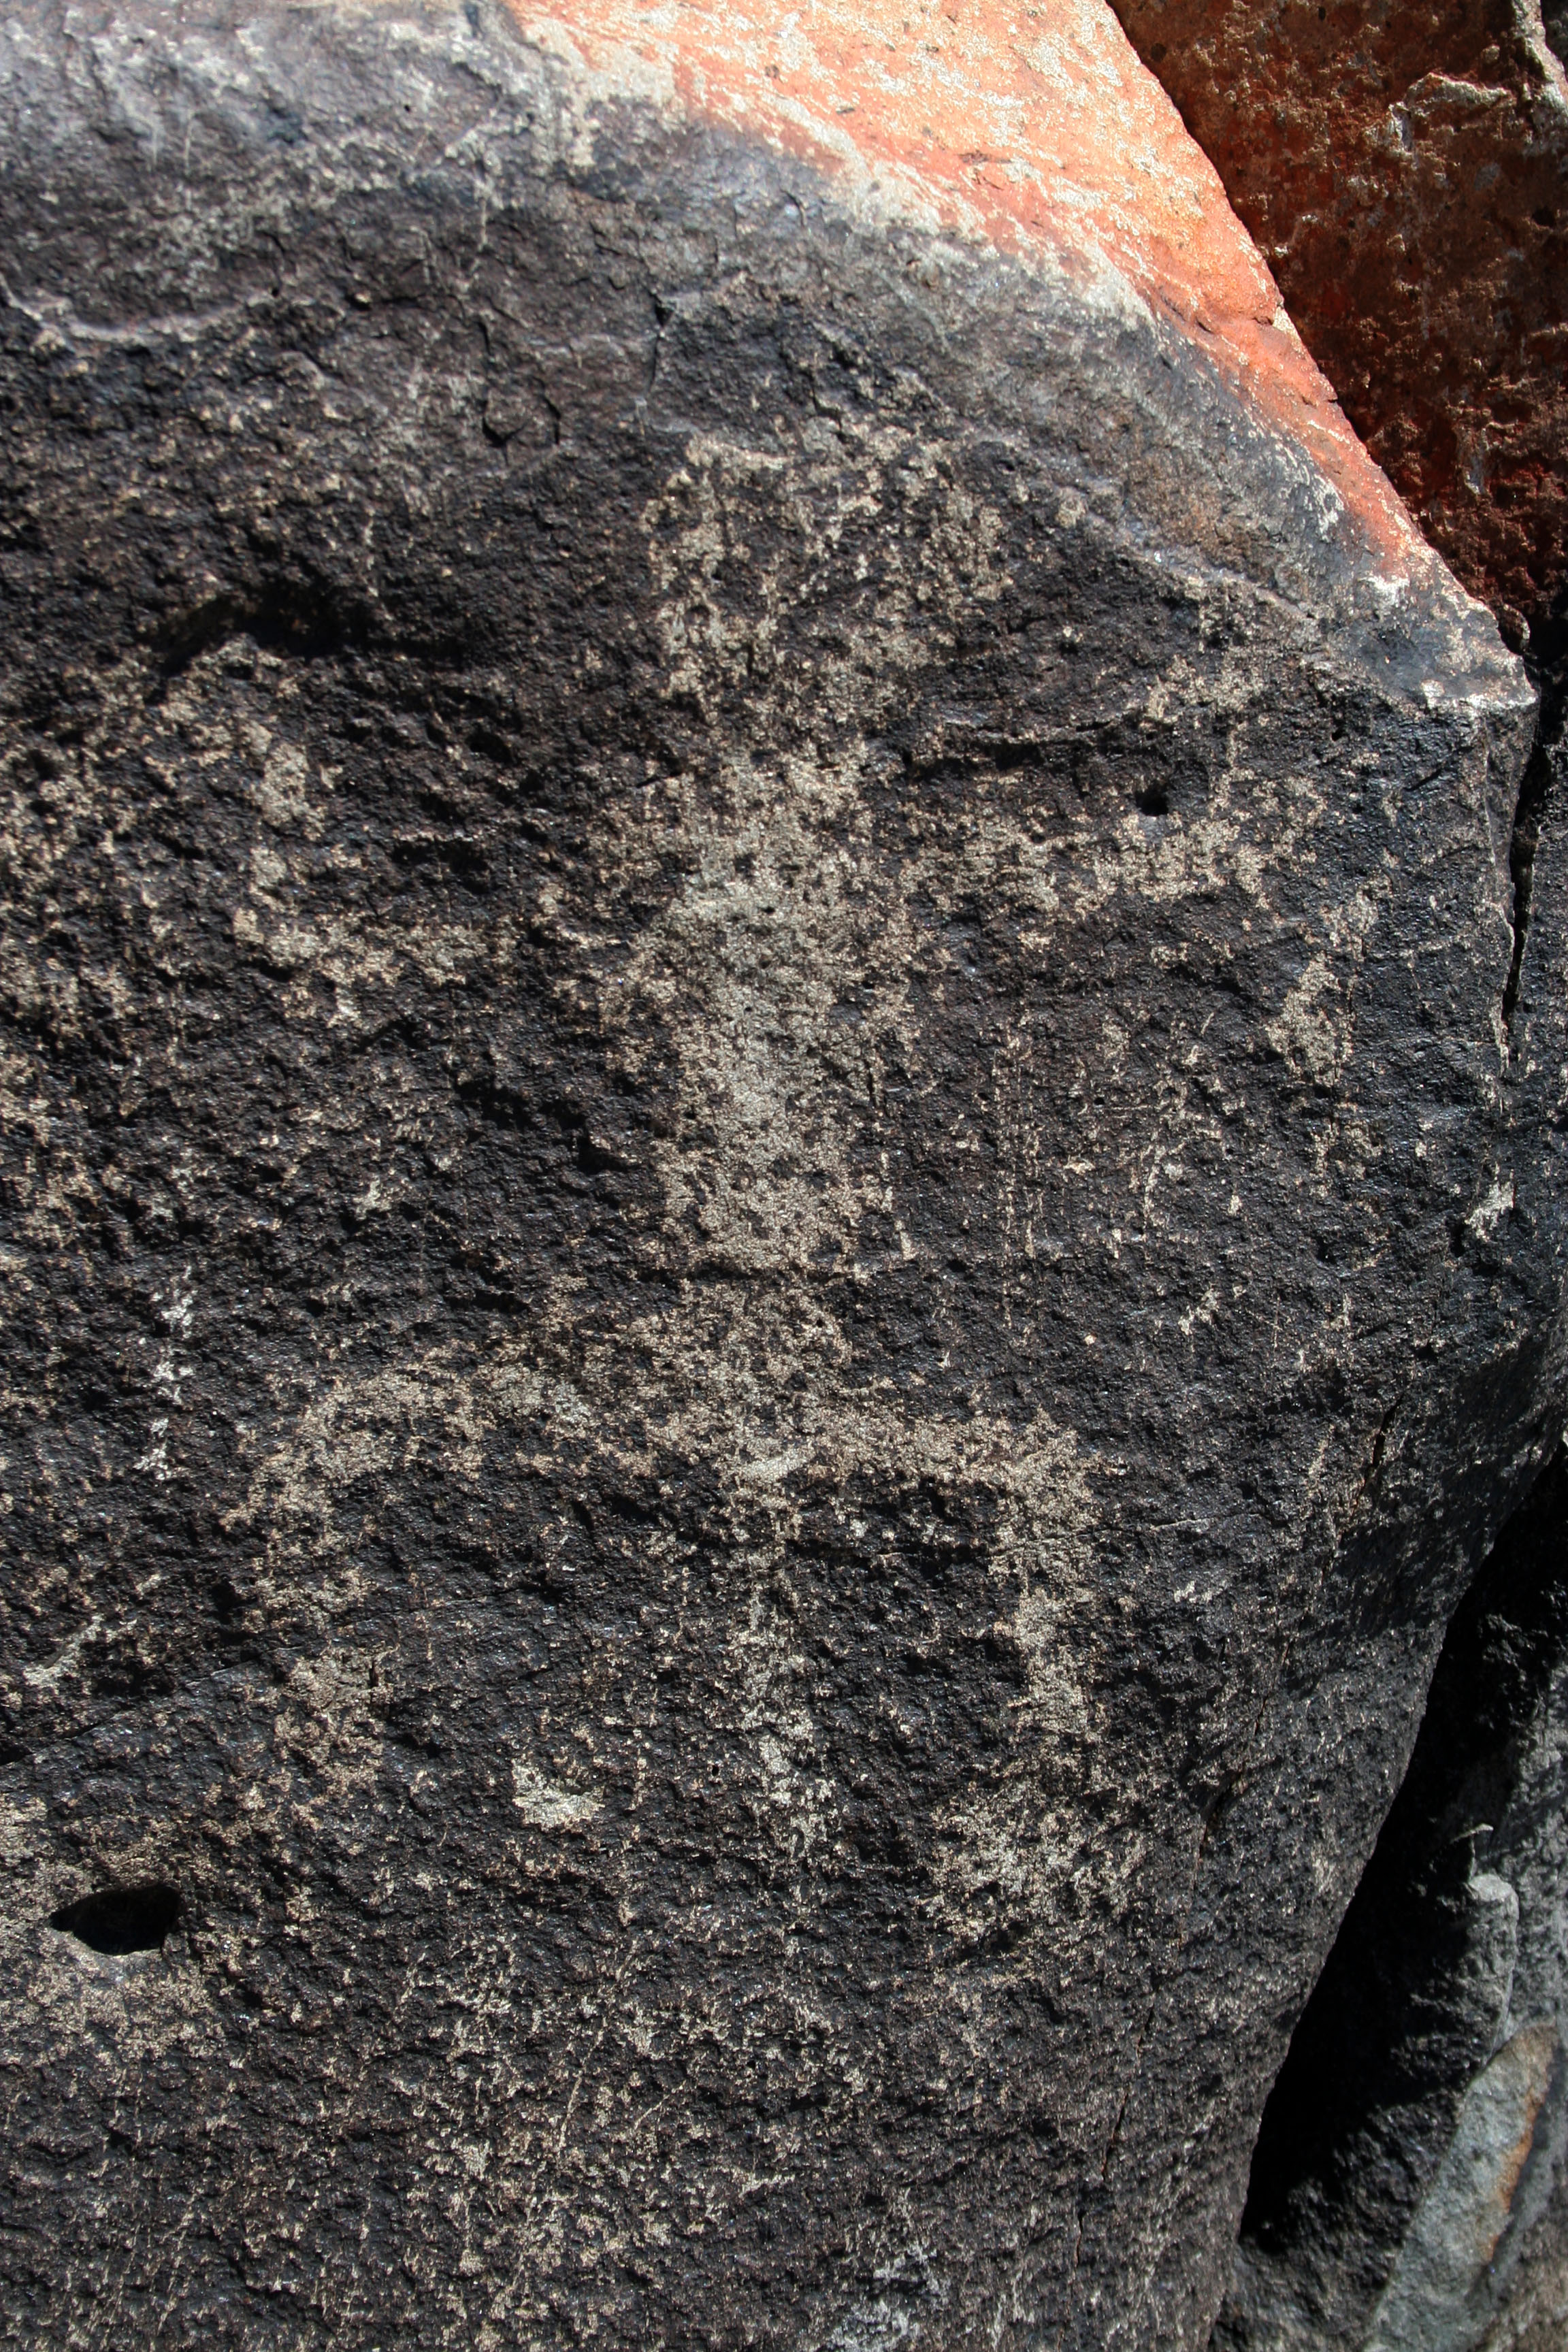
{"points": [[1445, 1954], [122, 1919], [1546, 659]]}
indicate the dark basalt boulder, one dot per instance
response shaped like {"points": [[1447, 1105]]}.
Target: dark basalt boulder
{"points": [[781, 1196]]}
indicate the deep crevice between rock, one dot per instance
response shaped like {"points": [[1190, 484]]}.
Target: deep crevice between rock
{"points": [[1430, 2053], [1546, 659]]}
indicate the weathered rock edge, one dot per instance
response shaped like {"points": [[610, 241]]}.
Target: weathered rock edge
{"points": [[772, 1246]]}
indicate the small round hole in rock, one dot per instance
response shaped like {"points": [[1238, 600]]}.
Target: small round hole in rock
{"points": [[120, 1920], [1152, 801]]}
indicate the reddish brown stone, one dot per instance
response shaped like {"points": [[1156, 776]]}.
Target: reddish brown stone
{"points": [[1404, 170]]}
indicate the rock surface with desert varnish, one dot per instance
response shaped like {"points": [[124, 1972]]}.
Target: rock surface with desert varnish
{"points": [[780, 1209]]}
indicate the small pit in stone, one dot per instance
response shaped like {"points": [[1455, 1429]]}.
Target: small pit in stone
{"points": [[122, 1919]]}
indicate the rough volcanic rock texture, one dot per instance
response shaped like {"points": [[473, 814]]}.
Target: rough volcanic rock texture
{"points": [[1404, 170], [772, 1246], [1410, 2157]]}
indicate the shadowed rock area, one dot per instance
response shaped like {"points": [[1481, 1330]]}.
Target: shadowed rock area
{"points": [[1409, 2159], [1405, 171], [780, 1192]]}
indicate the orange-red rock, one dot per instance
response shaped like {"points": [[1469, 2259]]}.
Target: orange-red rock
{"points": [[1035, 129]]}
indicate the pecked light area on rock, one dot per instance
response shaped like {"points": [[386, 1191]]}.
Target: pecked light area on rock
{"points": [[780, 1213]]}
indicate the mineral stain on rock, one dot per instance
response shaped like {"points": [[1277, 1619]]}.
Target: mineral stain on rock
{"points": [[773, 1247]]}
